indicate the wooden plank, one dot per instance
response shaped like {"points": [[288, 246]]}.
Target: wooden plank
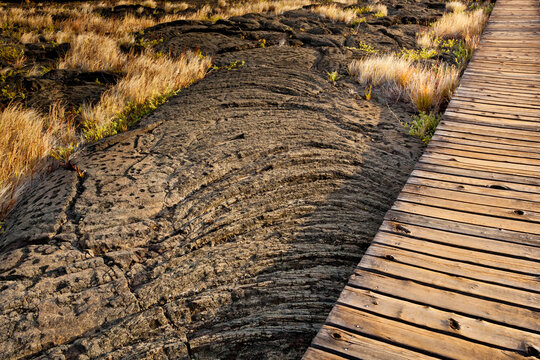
{"points": [[524, 282], [443, 321], [457, 104], [357, 346], [465, 162], [489, 120], [402, 288], [378, 259], [403, 248], [448, 225], [472, 208], [471, 187], [485, 142], [456, 142], [399, 332], [480, 198], [486, 99], [317, 354], [491, 172], [481, 74], [494, 92], [487, 130], [492, 181], [468, 218], [477, 152]]}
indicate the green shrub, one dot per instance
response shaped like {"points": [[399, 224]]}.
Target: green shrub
{"points": [[423, 125]]}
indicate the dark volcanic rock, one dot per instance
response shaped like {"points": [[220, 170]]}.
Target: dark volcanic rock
{"points": [[224, 225]]}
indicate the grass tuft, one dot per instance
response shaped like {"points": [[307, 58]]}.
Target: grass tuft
{"points": [[456, 6], [427, 88], [93, 52], [467, 26], [148, 82]]}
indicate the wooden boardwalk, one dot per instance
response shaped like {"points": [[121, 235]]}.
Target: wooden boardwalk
{"points": [[454, 271]]}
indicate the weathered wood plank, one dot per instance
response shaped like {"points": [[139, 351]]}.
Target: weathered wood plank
{"points": [[444, 321]]}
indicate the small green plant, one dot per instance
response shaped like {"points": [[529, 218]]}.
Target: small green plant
{"points": [[215, 18], [414, 55], [45, 69], [367, 48], [11, 55], [486, 6], [145, 43], [448, 44], [9, 94], [423, 125], [462, 54], [131, 114], [379, 14], [333, 76], [358, 21], [231, 66], [63, 156], [367, 92], [362, 10], [262, 43]]}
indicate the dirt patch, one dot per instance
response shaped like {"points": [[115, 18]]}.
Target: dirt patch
{"points": [[227, 222]]}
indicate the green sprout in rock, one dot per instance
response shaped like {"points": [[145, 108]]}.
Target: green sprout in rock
{"points": [[423, 125], [367, 48], [333, 76]]}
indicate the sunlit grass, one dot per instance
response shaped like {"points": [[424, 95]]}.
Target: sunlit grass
{"points": [[426, 87]]}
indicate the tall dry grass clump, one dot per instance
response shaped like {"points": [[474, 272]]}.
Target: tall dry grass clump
{"points": [[23, 143], [456, 6], [26, 18], [427, 88], [467, 26], [147, 78], [460, 25], [349, 15], [26, 138], [93, 52], [379, 9], [274, 6], [336, 13]]}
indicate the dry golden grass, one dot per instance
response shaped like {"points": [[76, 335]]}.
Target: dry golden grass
{"points": [[26, 18], [92, 52], [458, 25], [147, 77], [26, 138], [274, 6], [29, 37], [23, 143], [456, 6], [427, 87], [379, 9], [461, 25], [172, 7], [336, 13], [348, 15], [425, 40]]}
